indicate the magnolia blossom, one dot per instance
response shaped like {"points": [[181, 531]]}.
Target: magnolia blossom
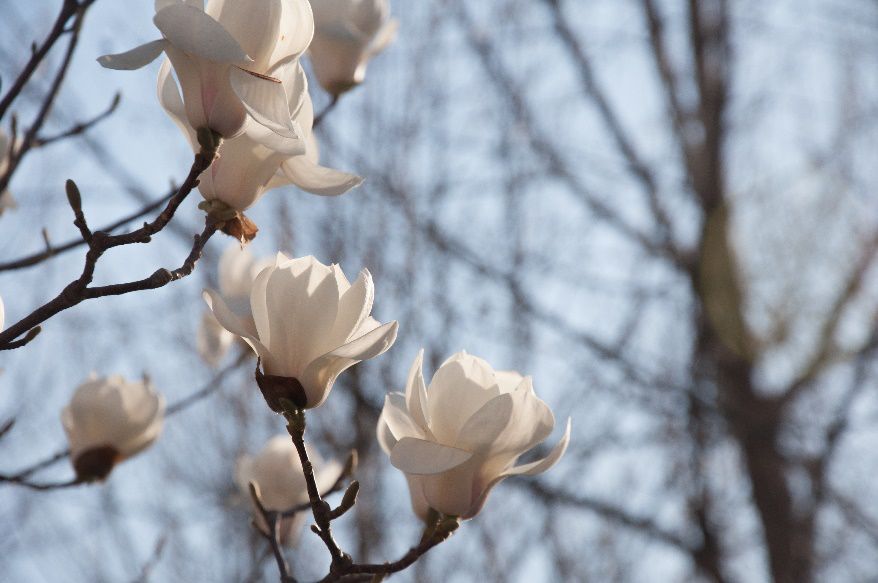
{"points": [[277, 473], [108, 420], [6, 200], [459, 437], [347, 34], [259, 160], [223, 53], [309, 323], [237, 269]]}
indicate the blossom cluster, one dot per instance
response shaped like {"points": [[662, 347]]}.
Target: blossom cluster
{"points": [[233, 69]]}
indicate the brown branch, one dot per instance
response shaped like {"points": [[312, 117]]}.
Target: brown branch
{"points": [[99, 242], [69, 9], [319, 507], [612, 122], [272, 519], [55, 250], [16, 154], [18, 481]]}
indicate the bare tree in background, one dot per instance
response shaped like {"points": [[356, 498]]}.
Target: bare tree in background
{"points": [[662, 210]]}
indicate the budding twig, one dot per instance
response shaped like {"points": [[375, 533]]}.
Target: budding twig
{"points": [[99, 242]]}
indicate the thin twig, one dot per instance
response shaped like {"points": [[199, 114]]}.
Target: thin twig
{"points": [[99, 242], [272, 519], [40, 486], [68, 10], [81, 127], [55, 250]]}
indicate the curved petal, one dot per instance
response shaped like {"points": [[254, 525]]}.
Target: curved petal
{"points": [[171, 102], [481, 430], [397, 418], [265, 100], [191, 30], [228, 320], [416, 392], [385, 437], [297, 30], [135, 58], [540, 466], [320, 375], [255, 25], [354, 305], [422, 457], [316, 179]]}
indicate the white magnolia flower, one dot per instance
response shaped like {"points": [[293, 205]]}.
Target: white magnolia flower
{"points": [[347, 34], [237, 269], [258, 160], [461, 436], [108, 420], [222, 53], [309, 324], [6, 200], [277, 473]]}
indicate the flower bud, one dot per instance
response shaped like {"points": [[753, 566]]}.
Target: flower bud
{"points": [[109, 420]]}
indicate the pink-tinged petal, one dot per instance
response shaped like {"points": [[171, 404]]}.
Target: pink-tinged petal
{"points": [[320, 375], [397, 418], [231, 322], [416, 392], [422, 457], [265, 100], [482, 429], [255, 25], [194, 32], [170, 100], [135, 58], [317, 179], [540, 466]]}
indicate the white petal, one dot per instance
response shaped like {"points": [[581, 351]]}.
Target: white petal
{"points": [[296, 30], [255, 25], [191, 30], [320, 375], [397, 418], [265, 100], [230, 321], [540, 466], [416, 392], [385, 437], [170, 100], [135, 58], [481, 430], [460, 387], [421, 457], [354, 305], [316, 179]]}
